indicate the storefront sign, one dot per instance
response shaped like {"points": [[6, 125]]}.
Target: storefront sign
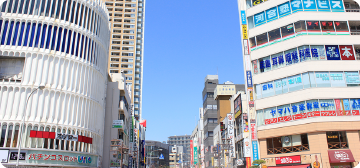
{"points": [[340, 156], [259, 19], [68, 137], [247, 62], [253, 132], [347, 52], [60, 158], [246, 47], [251, 104], [332, 52], [249, 79], [13, 155], [61, 136], [118, 124], [271, 14], [231, 135], [243, 17], [247, 147], [288, 159], [195, 155], [4, 156], [255, 150], [284, 9], [248, 162], [245, 33]]}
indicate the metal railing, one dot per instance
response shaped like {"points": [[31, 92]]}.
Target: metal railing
{"points": [[352, 10]]}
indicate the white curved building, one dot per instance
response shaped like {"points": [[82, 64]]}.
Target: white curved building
{"points": [[62, 45]]}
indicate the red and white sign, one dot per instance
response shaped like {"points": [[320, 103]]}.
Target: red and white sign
{"points": [[54, 135], [288, 159], [284, 118], [251, 104], [340, 156], [355, 112], [253, 132], [347, 52], [328, 113], [191, 152]]}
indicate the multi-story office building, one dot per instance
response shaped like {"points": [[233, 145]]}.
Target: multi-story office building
{"points": [[303, 57], [157, 154], [126, 44], [184, 141], [209, 116], [53, 74]]}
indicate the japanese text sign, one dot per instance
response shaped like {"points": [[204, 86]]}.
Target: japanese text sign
{"points": [[309, 5], [255, 150], [323, 5], [249, 79], [288, 160], [296, 6], [243, 17], [284, 9], [271, 14], [347, 52], [332, 52], [259, 18]]}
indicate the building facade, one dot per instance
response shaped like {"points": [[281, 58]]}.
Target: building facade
{"points": [[301, 59], [157, 154], [184, 141], [118, 123], [127, 18], [53, 75]]}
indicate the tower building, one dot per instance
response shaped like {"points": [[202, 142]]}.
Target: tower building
{"points": [[301, 60], [126, 44]]}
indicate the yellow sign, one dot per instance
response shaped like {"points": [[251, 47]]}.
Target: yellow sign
{"points": [[245, 33], [251, 96]]}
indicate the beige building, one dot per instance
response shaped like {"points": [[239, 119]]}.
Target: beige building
{"points": [[302, 59], [126, 44]]}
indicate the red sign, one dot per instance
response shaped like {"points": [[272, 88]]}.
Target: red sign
{"points": [[251, 104], [347, 52], [328, 113], [300, 116], [253, 132], [288, 160], [191, 152], [248, 162], [313, 114], [270, 121], [284, 118], [355, 112], [340, 156]]}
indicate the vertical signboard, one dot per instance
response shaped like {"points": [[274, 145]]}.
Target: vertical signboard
{"points": [[248, 162], [191, 152], [253, 131], [231, 135], [255, 150], [245, 33], [249, 79], [195, 155], [247, 147], [243, 18]]}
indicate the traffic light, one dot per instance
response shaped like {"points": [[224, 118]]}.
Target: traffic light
{"points": [[222, 127]]}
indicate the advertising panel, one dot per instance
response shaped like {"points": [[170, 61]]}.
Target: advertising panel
{"points": [[248, 162], [249, 79], [246, 47], [309, 5], [271, 14], [245, 33], [247, 62], [347, 52], [247, 148], [253, 131], [337, 5], [288, 160], [323, 5], [191, 152], [284, 9], [332, 52], [296, 6], [352, 77], [243, 17], [255, 150], [231, 135], [195, 155], [259, 18], [4, 156], [224, 90], [60, 158]]}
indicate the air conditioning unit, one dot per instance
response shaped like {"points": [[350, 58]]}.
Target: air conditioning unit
{"points": [[173, 149]]}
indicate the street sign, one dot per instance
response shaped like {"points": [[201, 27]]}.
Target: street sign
{"points": [[179, 161], [161, 156], [239, 162]]}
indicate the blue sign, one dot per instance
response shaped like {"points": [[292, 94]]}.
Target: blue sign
{"points": [[309, 5], [271, 14], [161, 156], [352, 78], [284, 9], [243, 17], [255, 150], [259, 19], [332, 52], [323, 5], [296, 5], [249, 79], [337, 6], [346, 104], [179, 161]]}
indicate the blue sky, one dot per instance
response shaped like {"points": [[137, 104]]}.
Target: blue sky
{"points": [[184, 42]]}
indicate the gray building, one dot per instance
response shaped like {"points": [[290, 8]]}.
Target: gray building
{"points": [[153, 151], [184, 141]]}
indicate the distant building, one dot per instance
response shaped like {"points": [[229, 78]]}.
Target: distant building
{"points": [[184, 141], [154, 149]]}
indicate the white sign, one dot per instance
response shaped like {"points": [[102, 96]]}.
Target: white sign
{"points": [[4, 156], [68, 137], [246, 47], [118, 124], [239, 162], [231, 135], [247, 62], [247, 147]]}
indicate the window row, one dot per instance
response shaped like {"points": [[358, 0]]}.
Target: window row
{"points": [[299, 28], [10, 135], [307, 80], [50, 37], [67, 10], [305, 53], [308, 109], [287, 144], [293, 6]]}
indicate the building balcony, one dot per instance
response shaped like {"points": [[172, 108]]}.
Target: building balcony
{"points": [[138, 52], [137, 94], [138, 41], [137, 75], [137, 87], [137, 69]]}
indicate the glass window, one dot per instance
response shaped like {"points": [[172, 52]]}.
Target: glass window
{"points": [[298, 108], [288, 57], [304, 53], [277, 60], [352, 78], [252, 42], [337, 79], [287, 30], [322, 79], [261, 39], [312, 79], [270, 115], [300, 26], [265, 64], [260, 117], [251, 22], [274, 34], [313, 25], [318, 52], [268, 89], [295, 83], [341, 26], [327, 26], [336, 139], [278, 86], [258, 91], [327, 105], [284, 111], [306, 80]]}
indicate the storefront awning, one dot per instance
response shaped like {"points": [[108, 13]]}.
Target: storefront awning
{"points": [[293, 166], [340, 156]]}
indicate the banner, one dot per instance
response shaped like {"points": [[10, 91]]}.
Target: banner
{"points": [[191, 152], [231, 135], [195, 155], [255, 150]]}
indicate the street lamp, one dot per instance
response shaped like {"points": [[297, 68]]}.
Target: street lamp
{"points": [[23, 122], [151, 155]]}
